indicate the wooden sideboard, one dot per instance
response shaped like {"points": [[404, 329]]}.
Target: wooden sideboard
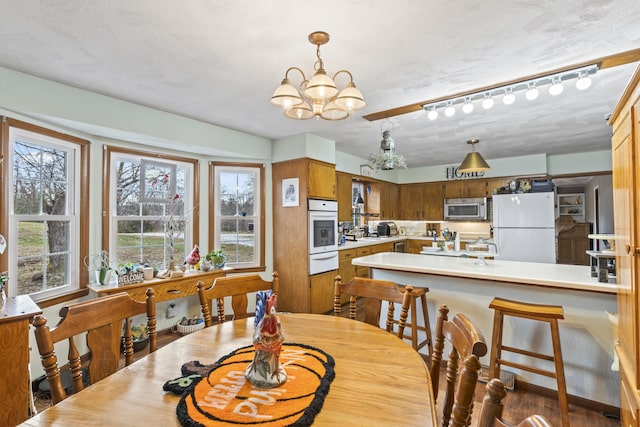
{"points": [[165, 289], [15, 316]]}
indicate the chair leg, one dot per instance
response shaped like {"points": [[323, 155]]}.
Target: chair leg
{"points": [[427, 324], [562, 385], [414, 325], [496, 345]]}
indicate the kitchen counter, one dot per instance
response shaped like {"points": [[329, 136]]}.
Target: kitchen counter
{"points": [[585, 332], [575, 277], [369, 241]]}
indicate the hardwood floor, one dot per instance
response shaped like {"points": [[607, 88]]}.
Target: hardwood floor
{"points": [[517, 405]]}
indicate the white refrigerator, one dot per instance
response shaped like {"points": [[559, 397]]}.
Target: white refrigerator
{"points": [[524, 227]]}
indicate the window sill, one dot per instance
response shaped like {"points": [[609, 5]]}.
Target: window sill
{"points": [[58, 299]]}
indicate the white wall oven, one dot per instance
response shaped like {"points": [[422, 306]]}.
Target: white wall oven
{"points": [[323, 236]]}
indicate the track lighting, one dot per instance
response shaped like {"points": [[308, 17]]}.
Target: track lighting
{"points": [[508, 92], [468, 106], [556, 87], [532, 92]]}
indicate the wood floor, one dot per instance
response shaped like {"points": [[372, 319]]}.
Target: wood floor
{"points": [[518, 404]]}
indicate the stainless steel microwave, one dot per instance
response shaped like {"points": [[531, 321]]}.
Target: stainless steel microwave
{"points": [[469, 209]]}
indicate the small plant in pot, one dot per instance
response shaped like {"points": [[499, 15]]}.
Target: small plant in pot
{"points": [[139, 336], [216, 257]]}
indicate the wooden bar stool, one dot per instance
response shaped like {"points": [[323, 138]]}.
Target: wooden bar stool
{"points": [[541, 313], [418, 293]]}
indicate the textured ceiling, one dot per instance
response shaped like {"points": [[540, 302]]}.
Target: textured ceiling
{"points": [[219, 62]]}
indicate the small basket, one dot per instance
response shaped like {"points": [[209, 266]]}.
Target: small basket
{"points": [[187, 329]]}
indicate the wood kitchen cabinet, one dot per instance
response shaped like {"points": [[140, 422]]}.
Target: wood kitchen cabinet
{"points": [[321, 183], [625, 120], [411, 205], [573, 244], [322, 290], [414, 246], [465, 188], [15, 317], [344, 195], [433, 201], [389, 208], [290, 237], [360, 270], [494, 184]]}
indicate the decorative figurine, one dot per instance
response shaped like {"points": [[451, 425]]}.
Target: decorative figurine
{"points": [[265, 370]]}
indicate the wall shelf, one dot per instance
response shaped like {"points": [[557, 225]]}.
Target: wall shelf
{"points": [[571, 204]]}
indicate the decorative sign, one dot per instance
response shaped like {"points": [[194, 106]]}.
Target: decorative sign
{"points": [[366, 170], [130, 278], [157, 181], [452, 173]]}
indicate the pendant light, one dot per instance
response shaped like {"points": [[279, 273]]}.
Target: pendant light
{"points": [[474, 161]]}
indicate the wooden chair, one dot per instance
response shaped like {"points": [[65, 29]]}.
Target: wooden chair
{"points": [[375, 292], [102, 321], [236, 287], [467, 343], [491, 410]]}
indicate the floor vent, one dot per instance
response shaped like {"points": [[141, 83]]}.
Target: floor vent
{"points": [[507, 378]]}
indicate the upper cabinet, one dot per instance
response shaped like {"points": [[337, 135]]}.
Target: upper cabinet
{"points": [[344, 194], [321, 180], [421, 201], [465, 188], [389, 201]]}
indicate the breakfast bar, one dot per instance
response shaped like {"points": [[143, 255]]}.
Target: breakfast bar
{"points": [[466, 286]]}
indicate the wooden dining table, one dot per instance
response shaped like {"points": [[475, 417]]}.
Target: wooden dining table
{"points": [[379, 379]]}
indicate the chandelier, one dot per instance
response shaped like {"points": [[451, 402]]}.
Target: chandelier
{"points": [[318, 97], [387, 158]]}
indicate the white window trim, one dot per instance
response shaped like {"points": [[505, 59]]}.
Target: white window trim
{"points": [[187, 198], [257, 224], [73, 209]]}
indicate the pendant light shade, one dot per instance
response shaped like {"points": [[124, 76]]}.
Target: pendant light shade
{"points": [[473, 162]]}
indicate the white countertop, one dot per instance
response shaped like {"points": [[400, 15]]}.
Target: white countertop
{"points": [[576, 277], [368, 241]]}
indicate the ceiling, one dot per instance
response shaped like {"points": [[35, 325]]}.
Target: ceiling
{"points": [[220, 61]]}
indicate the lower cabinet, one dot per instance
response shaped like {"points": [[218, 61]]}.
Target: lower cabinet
{"points": [[364, 251], [629, 413], [322, 286], [573, 244], [415, 246]]}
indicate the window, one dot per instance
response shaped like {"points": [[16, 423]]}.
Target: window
{"points": [[237, 225], [151, 205], [46, 213]]}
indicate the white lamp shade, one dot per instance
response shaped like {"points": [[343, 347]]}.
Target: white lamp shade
{"points": [[321, 86], [509, 98], [350, 98], [432, 114], [467, 107], [332, 112], [449, 111], [299, 112], [583, 82], [487, 102], [531, 93], [286, 95], [556, 88]]}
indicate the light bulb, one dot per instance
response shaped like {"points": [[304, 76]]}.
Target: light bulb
{"points": [[509, 98], [556, 87], [532, 93], [450, 110], [583, 82], [468, 106], [487, 102], [286, 104], [432, 114]]}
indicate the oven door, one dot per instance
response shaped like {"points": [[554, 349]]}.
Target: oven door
{"points": [[323, 232]]}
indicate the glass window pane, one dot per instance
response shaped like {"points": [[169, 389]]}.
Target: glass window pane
{"points": [[31, 239], [53, 198], [237, 240], [56, 271], [26, 197], [30, 275]]}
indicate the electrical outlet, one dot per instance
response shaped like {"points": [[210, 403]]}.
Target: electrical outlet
{"points": [[171, 310]]}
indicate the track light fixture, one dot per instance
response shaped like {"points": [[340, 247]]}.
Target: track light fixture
{"points": [[508, 92]]}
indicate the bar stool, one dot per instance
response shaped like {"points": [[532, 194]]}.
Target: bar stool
{"points": [[418, 293], [541, 313]]}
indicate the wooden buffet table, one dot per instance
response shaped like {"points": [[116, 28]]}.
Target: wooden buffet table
{"points": [[379, 379], [165, 289]]}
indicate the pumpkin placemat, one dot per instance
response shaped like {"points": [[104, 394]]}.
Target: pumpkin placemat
{"points": [[219, 394]]}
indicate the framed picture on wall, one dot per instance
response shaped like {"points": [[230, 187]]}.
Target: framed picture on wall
{"points": [[290, 192]]}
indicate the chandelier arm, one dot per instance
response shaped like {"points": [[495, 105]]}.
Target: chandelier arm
{"points": [[343, 71], [286, 74]]}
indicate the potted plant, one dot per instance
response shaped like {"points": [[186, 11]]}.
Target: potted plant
{"points": [[217, 257], [139, 336]]}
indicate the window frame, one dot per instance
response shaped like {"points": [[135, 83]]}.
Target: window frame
{"points": [[109, 150], [213, 218], [80, 207]]}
